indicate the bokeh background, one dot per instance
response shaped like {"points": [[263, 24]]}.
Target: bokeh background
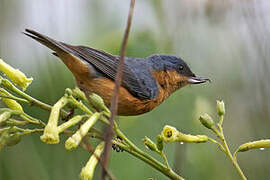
{"points": [[227, 41]]}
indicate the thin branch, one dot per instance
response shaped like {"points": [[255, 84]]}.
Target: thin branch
{"points": [[114, 101]]}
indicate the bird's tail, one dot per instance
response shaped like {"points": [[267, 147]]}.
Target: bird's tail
{"points": [[49, 42], [63, 51]]}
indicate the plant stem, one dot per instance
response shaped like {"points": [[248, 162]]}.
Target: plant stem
{"points": [[80, 105], [154, 163], [227, 150], [30, 100], [217, 143], [15, 98], [162, 154], [134, 150]]}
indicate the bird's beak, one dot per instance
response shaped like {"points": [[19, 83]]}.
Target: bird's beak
{"points": [[198, 80]]}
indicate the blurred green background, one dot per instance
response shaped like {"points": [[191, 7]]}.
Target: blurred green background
{"points": [[227, 41]]}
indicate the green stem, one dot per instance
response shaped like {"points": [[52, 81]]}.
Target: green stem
{"points": [[155, 164], [220, 122], [32, 101], [134, 150], [217, 143], [228, 152], [80, 105], [162, 154], [31, 119], [15, 98], [14, 122]]}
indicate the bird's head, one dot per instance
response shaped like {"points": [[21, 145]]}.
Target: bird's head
{"points": [[173, 72]]}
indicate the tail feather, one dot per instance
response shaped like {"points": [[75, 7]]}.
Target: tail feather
{"points": [[45, 40]]}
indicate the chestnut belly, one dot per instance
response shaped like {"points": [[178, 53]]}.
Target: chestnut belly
{"points": [[128, 105]]}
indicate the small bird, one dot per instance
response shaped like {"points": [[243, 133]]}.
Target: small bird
{"points": [[146, 82]]}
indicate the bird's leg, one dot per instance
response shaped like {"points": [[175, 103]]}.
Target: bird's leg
{"points": [[70, 114], [115, 147]]}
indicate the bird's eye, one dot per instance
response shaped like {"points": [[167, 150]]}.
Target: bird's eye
{"points": [[181, 67]]}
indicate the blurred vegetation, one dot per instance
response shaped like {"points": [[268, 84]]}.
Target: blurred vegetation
{"points": [[228, 42]]}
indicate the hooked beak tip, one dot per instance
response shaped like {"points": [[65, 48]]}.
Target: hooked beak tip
{"points": [[198, 80]]}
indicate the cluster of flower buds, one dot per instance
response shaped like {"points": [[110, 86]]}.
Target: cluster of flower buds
{"points": [[207, 121]]}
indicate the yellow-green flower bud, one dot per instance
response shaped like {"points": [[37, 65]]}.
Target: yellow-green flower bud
{"points": [[3, 138], [15, 75], [68, 91], [73, 141], [12, 104], [254, 145], [88, 170], [149, 144], [98, 102], [159, 143], [78, 93], [220, 108], [5, 116], [14, 139], [69, 123], [207, 121]]}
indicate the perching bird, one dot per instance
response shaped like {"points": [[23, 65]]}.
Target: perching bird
{"points": [[146, 83]]}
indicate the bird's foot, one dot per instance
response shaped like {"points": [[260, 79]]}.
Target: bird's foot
{"points": [[115, 147], [70, 115]]}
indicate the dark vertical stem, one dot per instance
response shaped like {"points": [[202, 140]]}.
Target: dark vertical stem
{"points": [[114, 101]]}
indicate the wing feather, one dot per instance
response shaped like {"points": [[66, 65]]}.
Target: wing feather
{"points": [[138, 79]]}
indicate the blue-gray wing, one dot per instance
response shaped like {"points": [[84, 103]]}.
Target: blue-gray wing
{"points": [[137, 76]]}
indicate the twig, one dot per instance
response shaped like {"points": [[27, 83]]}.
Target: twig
{"points": [[114, 101]]}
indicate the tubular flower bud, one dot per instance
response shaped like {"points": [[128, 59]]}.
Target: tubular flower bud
{"points": [[220, 108], [254, 145], [12, 104], [15, 75], [98, 102], [207, 121], [88, 170], [69, 123], [149, 144], [159, 142], [51, 135], [73, 141], [170, 134]]}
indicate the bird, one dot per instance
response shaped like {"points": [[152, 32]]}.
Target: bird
{"points": [[146, 83]]}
